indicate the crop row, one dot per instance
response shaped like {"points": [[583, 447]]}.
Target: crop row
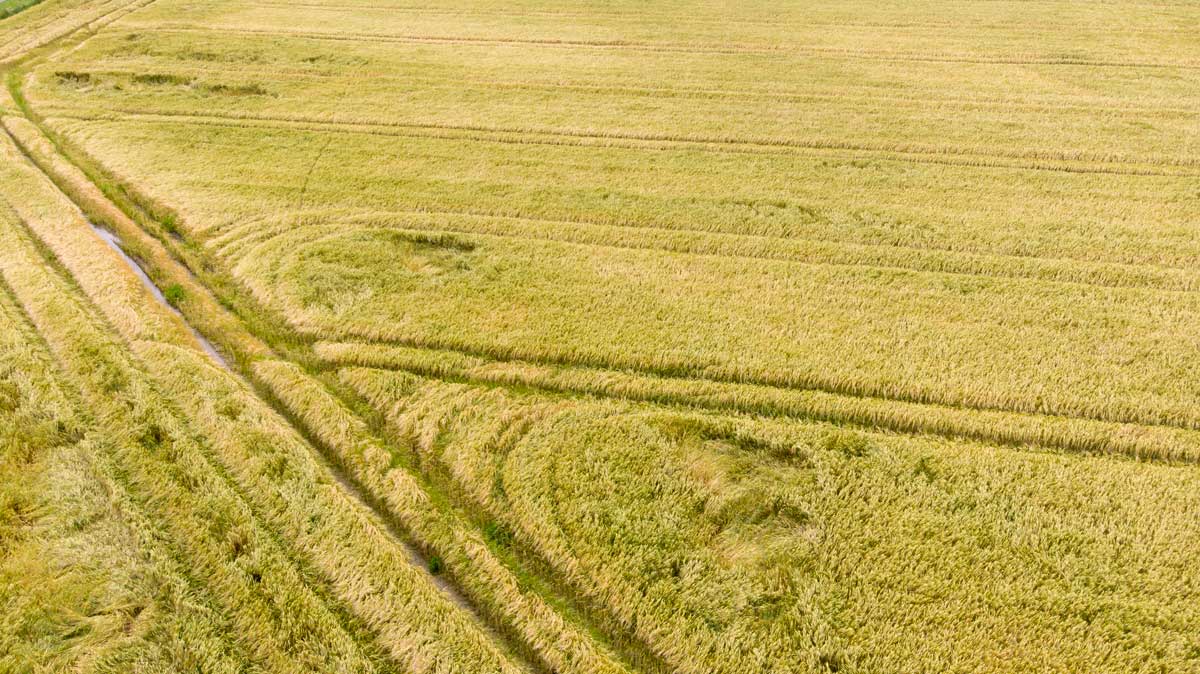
{"points": [[1010, 214], [838, 147], [1030, 340], [561, 646], [849, 16], [242, 240], [139, 68], [884, 127], [274, 613], [1019, 58], [431, 64], [1043, 347], [466, 432], [1111, 354]]}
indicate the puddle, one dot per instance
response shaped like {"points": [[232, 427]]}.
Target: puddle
{"points": [[115, 243]]}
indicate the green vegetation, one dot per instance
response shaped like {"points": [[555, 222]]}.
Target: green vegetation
{"points": [[10, 7], [615, 338], [174, 294]]}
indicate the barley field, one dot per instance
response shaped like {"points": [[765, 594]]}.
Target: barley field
{"points": [[607, 337]]}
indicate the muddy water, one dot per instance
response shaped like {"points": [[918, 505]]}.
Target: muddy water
{"points": [[115, 243]]}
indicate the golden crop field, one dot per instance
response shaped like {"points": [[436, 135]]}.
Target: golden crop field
{"points": [[609, 337]]}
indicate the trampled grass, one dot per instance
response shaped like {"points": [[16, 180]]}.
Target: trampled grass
{"points": [[683, 337], [85, 580], [217, 537]]}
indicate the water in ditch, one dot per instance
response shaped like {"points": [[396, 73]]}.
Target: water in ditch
{"points": [[415, 557], [115, 243]]}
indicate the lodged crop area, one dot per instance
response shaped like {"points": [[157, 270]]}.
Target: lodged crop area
{"points": [[599, 338]]}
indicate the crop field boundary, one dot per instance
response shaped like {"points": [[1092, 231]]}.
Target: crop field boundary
{"points": [[200, 263], [12, 7], [73, 21]]}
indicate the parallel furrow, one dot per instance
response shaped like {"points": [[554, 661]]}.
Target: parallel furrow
{"points": [[1051, 161], [827, 52]]}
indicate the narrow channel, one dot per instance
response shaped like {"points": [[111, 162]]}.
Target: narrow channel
{"points": [[115, 243], [416, 558]]}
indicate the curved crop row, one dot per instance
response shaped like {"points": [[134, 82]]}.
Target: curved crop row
{"points": [[560, 644], [1009, 428], [730, 545]]}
